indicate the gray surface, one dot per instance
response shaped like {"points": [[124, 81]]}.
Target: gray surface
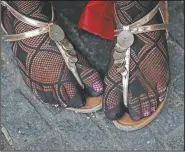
{"points": [[35, 126]]}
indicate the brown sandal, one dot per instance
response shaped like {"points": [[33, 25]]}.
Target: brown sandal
{"points": [[93, 104], [125, 122]]}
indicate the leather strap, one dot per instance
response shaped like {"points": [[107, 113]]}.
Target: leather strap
{"points": [[137, 27], [163, 8], [23, 18], [143, 29], [146, 18], [3, 29], [25, 35], [43, 27]]}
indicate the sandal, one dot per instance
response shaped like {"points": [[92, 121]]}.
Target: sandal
{"points": [[138, 75], [55, 72], [141, 49]]}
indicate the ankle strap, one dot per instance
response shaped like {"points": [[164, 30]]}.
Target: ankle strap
{"points": [[43, 27], [146, 18], [137, 27], [24, 18]]}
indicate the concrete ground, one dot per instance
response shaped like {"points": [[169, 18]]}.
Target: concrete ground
{"points": [[29, 125]]}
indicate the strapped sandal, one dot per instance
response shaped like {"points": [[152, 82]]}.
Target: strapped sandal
{"points": [[65, 47], [125, 39]]}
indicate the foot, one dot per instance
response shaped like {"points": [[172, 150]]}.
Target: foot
{"points": [[149, 68], [43, 67]]}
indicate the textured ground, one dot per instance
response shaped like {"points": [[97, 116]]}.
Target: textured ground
{"points": [[31, 125]]}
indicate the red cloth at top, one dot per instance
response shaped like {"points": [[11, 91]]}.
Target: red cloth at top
{"points": [[98, 18]]}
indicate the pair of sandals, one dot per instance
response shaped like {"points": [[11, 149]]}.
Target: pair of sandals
{"points": [[135, 84]]}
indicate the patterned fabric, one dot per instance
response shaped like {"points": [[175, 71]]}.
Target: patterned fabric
{"points": [[42, 65], [149, 71]]}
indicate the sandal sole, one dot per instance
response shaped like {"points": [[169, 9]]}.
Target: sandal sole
{"points": [[80, 110], [141, 123]]}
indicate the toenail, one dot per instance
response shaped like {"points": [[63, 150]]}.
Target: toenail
{"points": [[146, 114], [152, 109], [98, 86]]}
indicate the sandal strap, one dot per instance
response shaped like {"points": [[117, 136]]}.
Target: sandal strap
{"points": [[146, 18], [24, 18], [144, 29], [137, 27], [64, 46], [43, 27], [163, 8], [25, 35]]}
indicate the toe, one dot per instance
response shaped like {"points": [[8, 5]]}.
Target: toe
{"points": [[153, 101], [162, 91], [92, 82], [134, 108], [90, 77], [75, 96], [145, 105], [113, 105]]}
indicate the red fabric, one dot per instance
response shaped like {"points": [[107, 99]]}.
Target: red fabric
{"points": [[98, 18]]}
